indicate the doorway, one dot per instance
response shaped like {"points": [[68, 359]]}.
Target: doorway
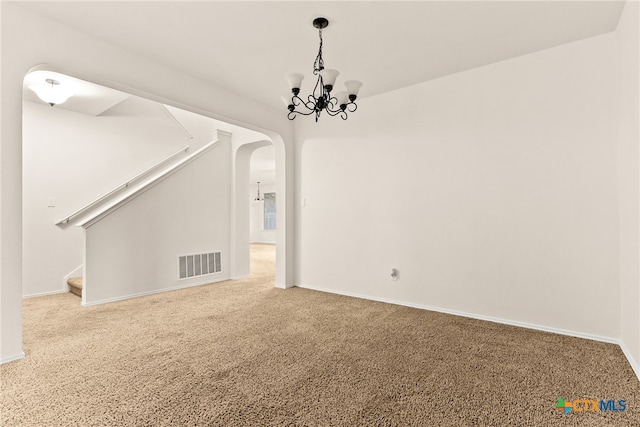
{"points": [[262, 211]]}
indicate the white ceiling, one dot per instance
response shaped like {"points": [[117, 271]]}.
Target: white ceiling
{"points": [[248, 47]]}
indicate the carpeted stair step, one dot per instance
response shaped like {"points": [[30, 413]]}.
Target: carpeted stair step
{"points": [[75, 285]]}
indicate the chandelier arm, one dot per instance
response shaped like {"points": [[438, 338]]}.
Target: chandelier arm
{"points": [[293, 114], [333, 112], [296, 101], [340, 112], [333, 101], [311, 103], [299, 102], [310, 112]]}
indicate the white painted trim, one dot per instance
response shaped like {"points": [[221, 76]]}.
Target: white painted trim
{"points": [[223, 134], [12, 358], [473, 316], [609, 340], [155, 291], [44, 294], [634, 363]]}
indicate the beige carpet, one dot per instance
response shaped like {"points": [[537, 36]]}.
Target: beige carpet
{"points": [[244, 353]]}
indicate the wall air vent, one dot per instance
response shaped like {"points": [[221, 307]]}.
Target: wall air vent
{"points": [[198, 265]]}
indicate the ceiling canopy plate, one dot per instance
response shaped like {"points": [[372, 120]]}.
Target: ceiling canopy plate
{"points": [[321, 23]]}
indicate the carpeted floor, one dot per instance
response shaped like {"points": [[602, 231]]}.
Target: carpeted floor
{"points": [[247, 354]]}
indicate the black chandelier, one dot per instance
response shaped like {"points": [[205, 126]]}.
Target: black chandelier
{"points": [[321, 99], [258, 198]]}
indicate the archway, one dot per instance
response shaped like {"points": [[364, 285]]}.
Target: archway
{"points": [[241, 235], [239, 161], [240, 238]]}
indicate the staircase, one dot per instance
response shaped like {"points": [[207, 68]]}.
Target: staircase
{"points": [[75, 285]]}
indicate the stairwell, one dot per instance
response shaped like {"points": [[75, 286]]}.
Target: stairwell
{"points": [[124, 193], [75, 285]]}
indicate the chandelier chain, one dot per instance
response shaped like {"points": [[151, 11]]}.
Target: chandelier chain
{"points": [[318, 64]]}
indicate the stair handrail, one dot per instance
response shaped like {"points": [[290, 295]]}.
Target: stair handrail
{"points": [[147, 171], [161, 176]]}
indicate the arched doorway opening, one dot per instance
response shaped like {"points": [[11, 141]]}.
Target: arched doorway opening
{"points": [[243, 138], [255, 192]]}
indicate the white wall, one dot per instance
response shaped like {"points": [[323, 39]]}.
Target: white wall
{"points": [[29, 40], [134, 250], [258, 234], [627, 35], [75, 158], [492, 191]]}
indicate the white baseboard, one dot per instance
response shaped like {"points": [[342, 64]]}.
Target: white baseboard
{"points": [[12, 358], [610, 340], [43, 294], [152, 292], [634, 363]]}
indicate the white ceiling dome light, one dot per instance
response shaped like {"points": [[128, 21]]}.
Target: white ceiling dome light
{"points": [[51, 91]]}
